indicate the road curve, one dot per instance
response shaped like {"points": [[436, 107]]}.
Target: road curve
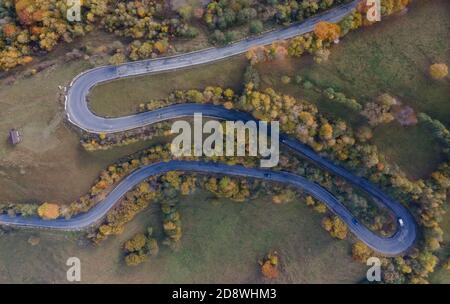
{"points": [[77, 109], [400, 241], [79, 114]]}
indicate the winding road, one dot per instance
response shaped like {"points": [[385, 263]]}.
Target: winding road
{"points": [[79, 114]]}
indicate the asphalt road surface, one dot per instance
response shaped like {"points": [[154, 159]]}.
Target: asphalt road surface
{"points": [[80, 115]]}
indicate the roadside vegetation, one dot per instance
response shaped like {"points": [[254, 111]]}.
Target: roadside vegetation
{"points": [[382, 58], [107, 100], [209, 252], [379, 129], [29, 28], [425, 198], [381, 111]]}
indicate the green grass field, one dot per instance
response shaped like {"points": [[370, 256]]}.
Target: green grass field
{"points": [[394, 57], [391, 57], [228, 238], [222, 243], [124, 96], [49, 164], [383, 58], [412, 148]]}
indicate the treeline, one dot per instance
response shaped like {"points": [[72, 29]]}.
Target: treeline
{"points": [[425, 198], [334, 138], [317, 132], [222, 16], [29, 27], [439, 131], [103, 141]]}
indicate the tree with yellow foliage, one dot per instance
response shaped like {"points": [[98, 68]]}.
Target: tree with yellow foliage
{"points": [[136, 243], [335, 226], [140, 247], [117, 59], [134, 259], [361, 252], [438, 70], [326, 131], [306, 118]]}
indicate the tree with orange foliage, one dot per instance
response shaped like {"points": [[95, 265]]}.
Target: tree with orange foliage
{"points": [[9, 30], [269, 266], [24, 10], [48, 211], [327, 31], [161, 46], [269, 271]]}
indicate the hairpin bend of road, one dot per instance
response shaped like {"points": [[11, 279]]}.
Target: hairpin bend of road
{"points": [[79, 114]]}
